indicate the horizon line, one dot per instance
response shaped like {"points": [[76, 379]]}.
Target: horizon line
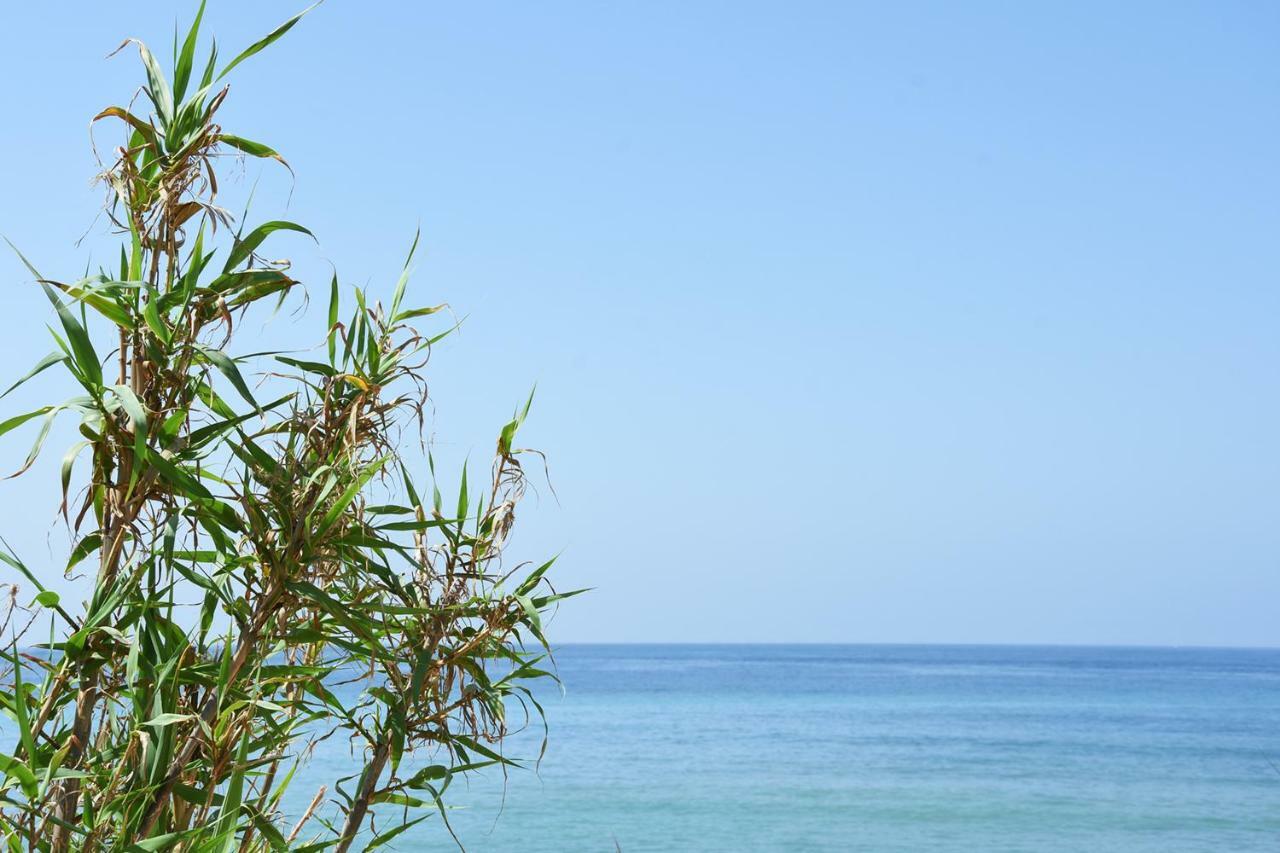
{"points": [[1148, 646]]}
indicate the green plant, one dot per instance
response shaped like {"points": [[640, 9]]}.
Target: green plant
{"points": [[141, 728]]}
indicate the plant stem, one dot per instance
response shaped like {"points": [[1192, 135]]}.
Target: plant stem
{"points": [[368, 785]]}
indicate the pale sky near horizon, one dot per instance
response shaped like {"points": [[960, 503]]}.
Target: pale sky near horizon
{"points": [[864, 322]]}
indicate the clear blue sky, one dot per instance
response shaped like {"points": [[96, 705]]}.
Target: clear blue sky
{"points": [[918, 322]]}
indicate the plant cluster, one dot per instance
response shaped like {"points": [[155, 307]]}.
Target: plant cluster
{"points": [[251, 554]]}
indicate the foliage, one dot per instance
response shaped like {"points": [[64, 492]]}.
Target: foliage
{"points": [[243, 565]]}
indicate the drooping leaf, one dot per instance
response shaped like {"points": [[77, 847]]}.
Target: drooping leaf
{"points": [[245, 246], [228, 368], [253, 149]]}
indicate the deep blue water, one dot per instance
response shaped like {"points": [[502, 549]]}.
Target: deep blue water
{"points": [[885, 748]]}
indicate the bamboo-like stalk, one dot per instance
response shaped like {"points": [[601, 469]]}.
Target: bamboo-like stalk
{"points": [[360, 803]]}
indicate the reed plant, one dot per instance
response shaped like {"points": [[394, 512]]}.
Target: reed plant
{"points": [[252, 552]]}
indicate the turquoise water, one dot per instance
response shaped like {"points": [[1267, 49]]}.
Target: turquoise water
{"points": [[886, 748]]}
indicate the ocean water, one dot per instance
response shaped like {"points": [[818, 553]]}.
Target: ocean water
{"points": [[883, 748]]}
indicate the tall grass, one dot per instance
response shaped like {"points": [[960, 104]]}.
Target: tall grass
{"points": [[142, 729]]}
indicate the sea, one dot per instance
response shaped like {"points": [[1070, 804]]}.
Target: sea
{"points": [[878, 748]]}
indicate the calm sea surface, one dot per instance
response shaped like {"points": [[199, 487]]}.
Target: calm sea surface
{"points": [[885, 748]]}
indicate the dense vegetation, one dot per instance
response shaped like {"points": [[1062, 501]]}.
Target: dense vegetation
{"points": [[251, 553]]}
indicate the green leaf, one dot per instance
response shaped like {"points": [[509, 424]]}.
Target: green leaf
{"points": [[25, 734], [132, 406], [157, 87], [505, 438], [245, 247], [404, 275], [12, 559], [427, 774], [531, 582], [161, 842], [182, 70], [253, 149], [475, 746], [265, 41], [146, 133], [18, 420], [38, 444], [463, 502], [178, 476], [15, 769], [43, 364], [309, 366], [530, 612], [81, 347], [418, 312], [227, 367], [541, 602], [415, 526], [333, 316], [348, 495], [26, 263], [68, 463], [83, 548], [210, 65], [151, 314], [269, 831], [508, 434], [393, 832], [102, 295]]}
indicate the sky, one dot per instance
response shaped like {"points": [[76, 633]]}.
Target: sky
{"points": [[850, 322]]}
